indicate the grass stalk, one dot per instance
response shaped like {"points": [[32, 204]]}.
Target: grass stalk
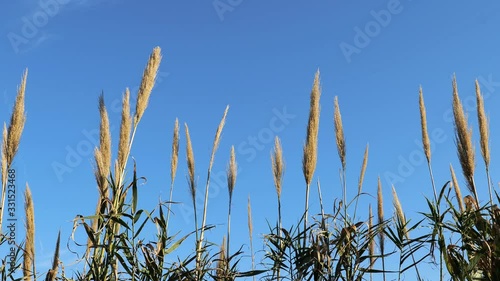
{"points": [[12, 138], [463, 139], [311, 146], [215, 146], [173, 168], [484, 134], [380, 209], [250, 233], [231, 181], [29, 270]]}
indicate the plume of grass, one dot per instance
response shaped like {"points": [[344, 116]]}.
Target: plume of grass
{"points": [[371, 246], [4, 170], [361, 178], [463, 138], [52, 273], [231, 181], [399, 211], [222, 266], [340, 141], [380, 209], [17, 121], [250, 233], [484, 134], [125, 129], [147, 83], [173, 165], [192, 189], [425, 138], [102, 156], [278, 169], [311, 146], [29, 250], [215, 146], [190, 164], [401, 225], [104, 145], [456, 187], [12, 138]]}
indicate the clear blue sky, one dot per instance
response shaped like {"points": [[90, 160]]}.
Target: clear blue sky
{"points": [[260, 58]]}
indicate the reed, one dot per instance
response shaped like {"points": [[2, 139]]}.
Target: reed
{"points": [[12, 138], [456, 187], [425, 138], [29, 247], [174, 158], [231, 182], [484, 134], [463, 139], [380, 211], [310, 155]]}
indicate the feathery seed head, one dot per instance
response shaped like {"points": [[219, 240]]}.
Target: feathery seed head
{"points": [[175, 151], [399, 211], [190, 163], [104, 142], [231, 173], [311, 146], [147, 83], [483, 126], [371, 246], [217, 138], [380, 208], [4, 153], [423, 124], [363, 170], [17, 120], [29, 250], [277, 165], [125, 130], [456, 187], [250, 223], [339, 133], [463, 138]]}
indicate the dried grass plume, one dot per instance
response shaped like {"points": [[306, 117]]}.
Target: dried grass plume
{"points": [[175, 151], [231, 172], [29, 247], [339, 133], [456, 187], [423, 124], [311, 146], [463, 138], [277, 165], [190, 163], [147, 83], [483, 126]]}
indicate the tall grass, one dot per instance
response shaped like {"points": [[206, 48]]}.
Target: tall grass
{"points": [[320, 245]]}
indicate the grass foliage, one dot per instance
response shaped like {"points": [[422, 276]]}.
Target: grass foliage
{"points": [[458, 234]]}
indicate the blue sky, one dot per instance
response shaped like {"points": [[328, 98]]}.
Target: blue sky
{"points": [[260, 58]]}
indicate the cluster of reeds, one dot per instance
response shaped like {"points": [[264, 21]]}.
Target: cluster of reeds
{"points": [[322, 245]]}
